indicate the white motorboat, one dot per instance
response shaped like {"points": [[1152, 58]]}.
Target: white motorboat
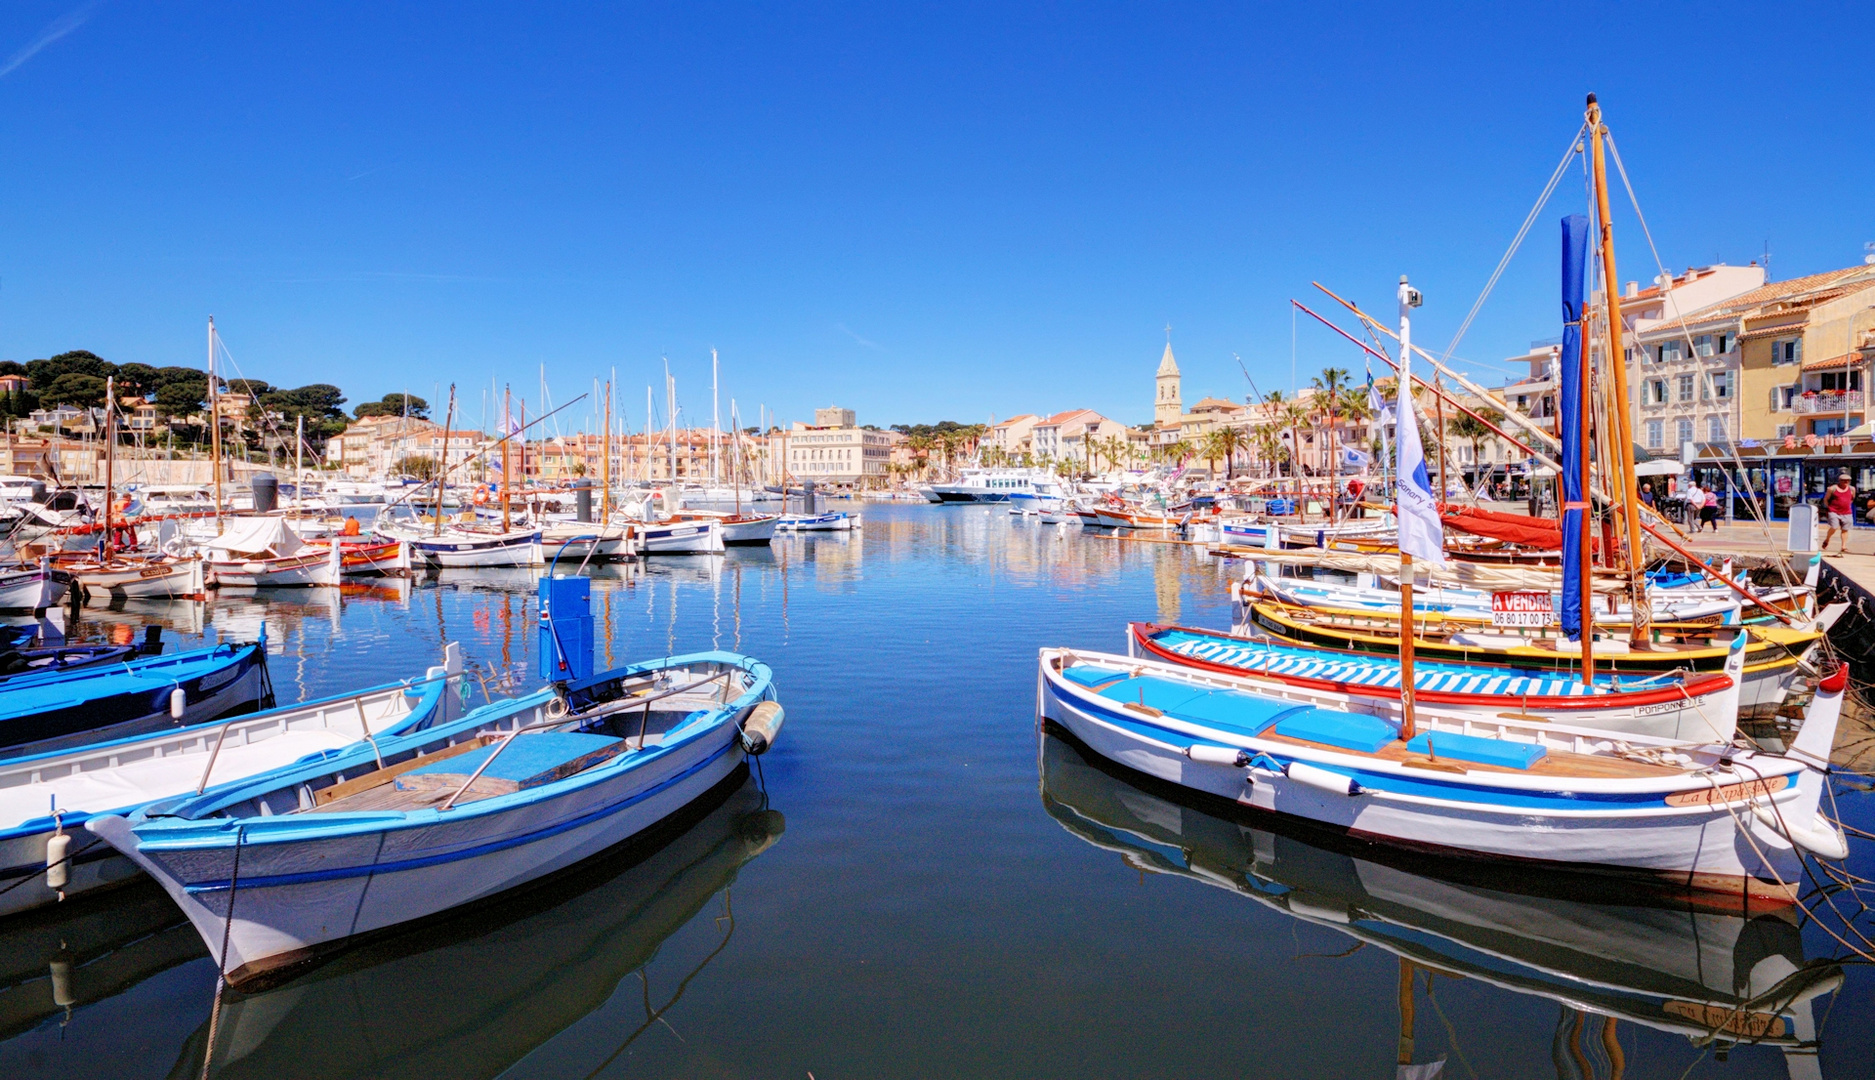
{"points": [[696, 536], [32, 588], [837, 521], [458, 548]]}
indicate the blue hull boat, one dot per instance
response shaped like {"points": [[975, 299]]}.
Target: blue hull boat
{"points": [[57, 710], [296, 861], [45, 799]]}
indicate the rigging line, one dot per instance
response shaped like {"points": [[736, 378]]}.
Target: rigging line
{"points": [[1575, 143], [1760, 514]]}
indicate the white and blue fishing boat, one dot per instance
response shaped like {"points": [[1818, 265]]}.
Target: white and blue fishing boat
{"points": [[59, 709], [689, 536], [292, 862], [836, 521], [1710, 817], [45, 799]]}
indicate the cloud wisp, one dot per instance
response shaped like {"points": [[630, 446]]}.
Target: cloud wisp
{"points": [[54, 30], [842, 328]]}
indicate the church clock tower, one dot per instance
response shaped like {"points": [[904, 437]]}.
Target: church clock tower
{"points": [[1167, 409]]}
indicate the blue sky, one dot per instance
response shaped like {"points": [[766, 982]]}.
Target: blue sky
{"points": [[917, 212]]}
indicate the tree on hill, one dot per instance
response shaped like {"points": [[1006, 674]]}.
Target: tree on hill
{"points": [[75, 362], [394, 405], [179, 399], [318, 403], [74, 388]]}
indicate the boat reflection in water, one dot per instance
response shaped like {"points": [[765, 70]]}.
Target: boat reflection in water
{"points": [[467, 995], [1720, 978]]}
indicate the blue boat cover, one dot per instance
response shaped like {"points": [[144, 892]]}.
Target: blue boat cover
{"points": [[1089, 675], [528, 757], [1243, 714], [1511, 755], [1346, 730]]}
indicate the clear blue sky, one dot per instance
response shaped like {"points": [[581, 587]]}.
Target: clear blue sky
{"points": [[917, 212]]}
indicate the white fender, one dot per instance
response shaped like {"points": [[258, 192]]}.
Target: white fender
{"points": [[1324, 779], [761, 727], [1217, 755]]}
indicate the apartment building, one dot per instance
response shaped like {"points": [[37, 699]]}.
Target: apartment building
{"points": [[836, 455]]}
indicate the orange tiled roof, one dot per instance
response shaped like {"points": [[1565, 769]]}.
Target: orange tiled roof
{"points": [[1842, 361]]}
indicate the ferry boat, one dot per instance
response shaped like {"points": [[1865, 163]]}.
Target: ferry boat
{"points": [[996, 485]]}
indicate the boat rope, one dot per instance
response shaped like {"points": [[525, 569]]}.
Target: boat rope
{"points": [[1575, 148]]}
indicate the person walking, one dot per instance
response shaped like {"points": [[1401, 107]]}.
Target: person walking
{"points": [[1839, 504], [1694, 499], [1647, 495], [1709, 513]]}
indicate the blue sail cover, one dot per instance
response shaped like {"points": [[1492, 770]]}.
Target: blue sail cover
{"points": [[1575, 248]]}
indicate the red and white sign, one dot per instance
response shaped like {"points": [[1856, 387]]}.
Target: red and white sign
{"points": [[1522, 609]]}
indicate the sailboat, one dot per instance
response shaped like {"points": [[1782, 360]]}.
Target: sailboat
{"points": [[1702, 814]]}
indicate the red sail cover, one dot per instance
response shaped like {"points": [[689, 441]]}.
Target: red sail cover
{"points": [[1511, 528]]}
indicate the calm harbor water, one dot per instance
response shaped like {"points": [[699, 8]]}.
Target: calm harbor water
{"points": [[928, 886]]}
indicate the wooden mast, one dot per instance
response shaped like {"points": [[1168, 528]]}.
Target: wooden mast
{"points": [[1409, 298], [507, 422], [214, 422], [1619, 423]]}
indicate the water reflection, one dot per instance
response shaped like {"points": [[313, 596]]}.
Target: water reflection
{"points": [[1718, 978]]}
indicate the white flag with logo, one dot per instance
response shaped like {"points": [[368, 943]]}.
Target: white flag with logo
{"points": [[1421, 534]]}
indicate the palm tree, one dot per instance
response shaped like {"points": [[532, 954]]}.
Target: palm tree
{"points": [[1224, 443], [920, 447], [1474, 430]]}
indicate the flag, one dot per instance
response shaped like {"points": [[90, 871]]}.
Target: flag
{"points": [[1421, 535], [1375, 403], [514, 429], [1352, 458]]}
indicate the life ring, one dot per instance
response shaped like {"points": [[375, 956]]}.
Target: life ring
{"points": [[481, 496]]}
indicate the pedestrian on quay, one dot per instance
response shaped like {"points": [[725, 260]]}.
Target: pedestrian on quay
{"points": [[1647, 494], [1839, 504], [1709, 511], [1694, 499]]}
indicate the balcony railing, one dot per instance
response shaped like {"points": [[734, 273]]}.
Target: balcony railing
{"points": [[1827, 402]]}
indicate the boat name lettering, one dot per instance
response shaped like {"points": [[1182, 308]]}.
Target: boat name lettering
{"points": [[1751, 789]]}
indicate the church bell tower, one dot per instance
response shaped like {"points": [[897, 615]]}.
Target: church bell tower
{"points": [[1167, 409]]}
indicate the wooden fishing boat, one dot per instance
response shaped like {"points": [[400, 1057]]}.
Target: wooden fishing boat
{"points": [[1677, 705], [123, 576], [57, 710], [296, 861], [1718, 970], [369, 556], [1710, 817], [587, 541], [1683, 606], [265, 552], [546, 961], [122, 774], [1776, 657]]}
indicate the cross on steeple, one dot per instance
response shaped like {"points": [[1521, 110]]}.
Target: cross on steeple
{"points": [[1168, 333]]}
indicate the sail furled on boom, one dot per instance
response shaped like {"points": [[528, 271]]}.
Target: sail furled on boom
{"points": [[1575, 246]]}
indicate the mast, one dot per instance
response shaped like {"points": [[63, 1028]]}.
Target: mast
{"points": [[507, 424], [735, 454], [299, 444], [605, 459], [716, 419], [1409, 299], [214, 422], [1620, 435], [442, 469], [670, 408], [110, 457]]}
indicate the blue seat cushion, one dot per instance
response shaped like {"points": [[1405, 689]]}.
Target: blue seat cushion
{"points": [[1089, 675], [529, 756], [1449, 744], [1349, 731]]}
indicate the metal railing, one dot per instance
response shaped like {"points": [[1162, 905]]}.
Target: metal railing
{"points": [[1824, 403]]}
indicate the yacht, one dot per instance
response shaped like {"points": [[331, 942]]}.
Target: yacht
{"points": [[996, 485]]}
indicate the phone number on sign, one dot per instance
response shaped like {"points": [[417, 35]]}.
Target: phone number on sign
{"points": [[1522, 618]]}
